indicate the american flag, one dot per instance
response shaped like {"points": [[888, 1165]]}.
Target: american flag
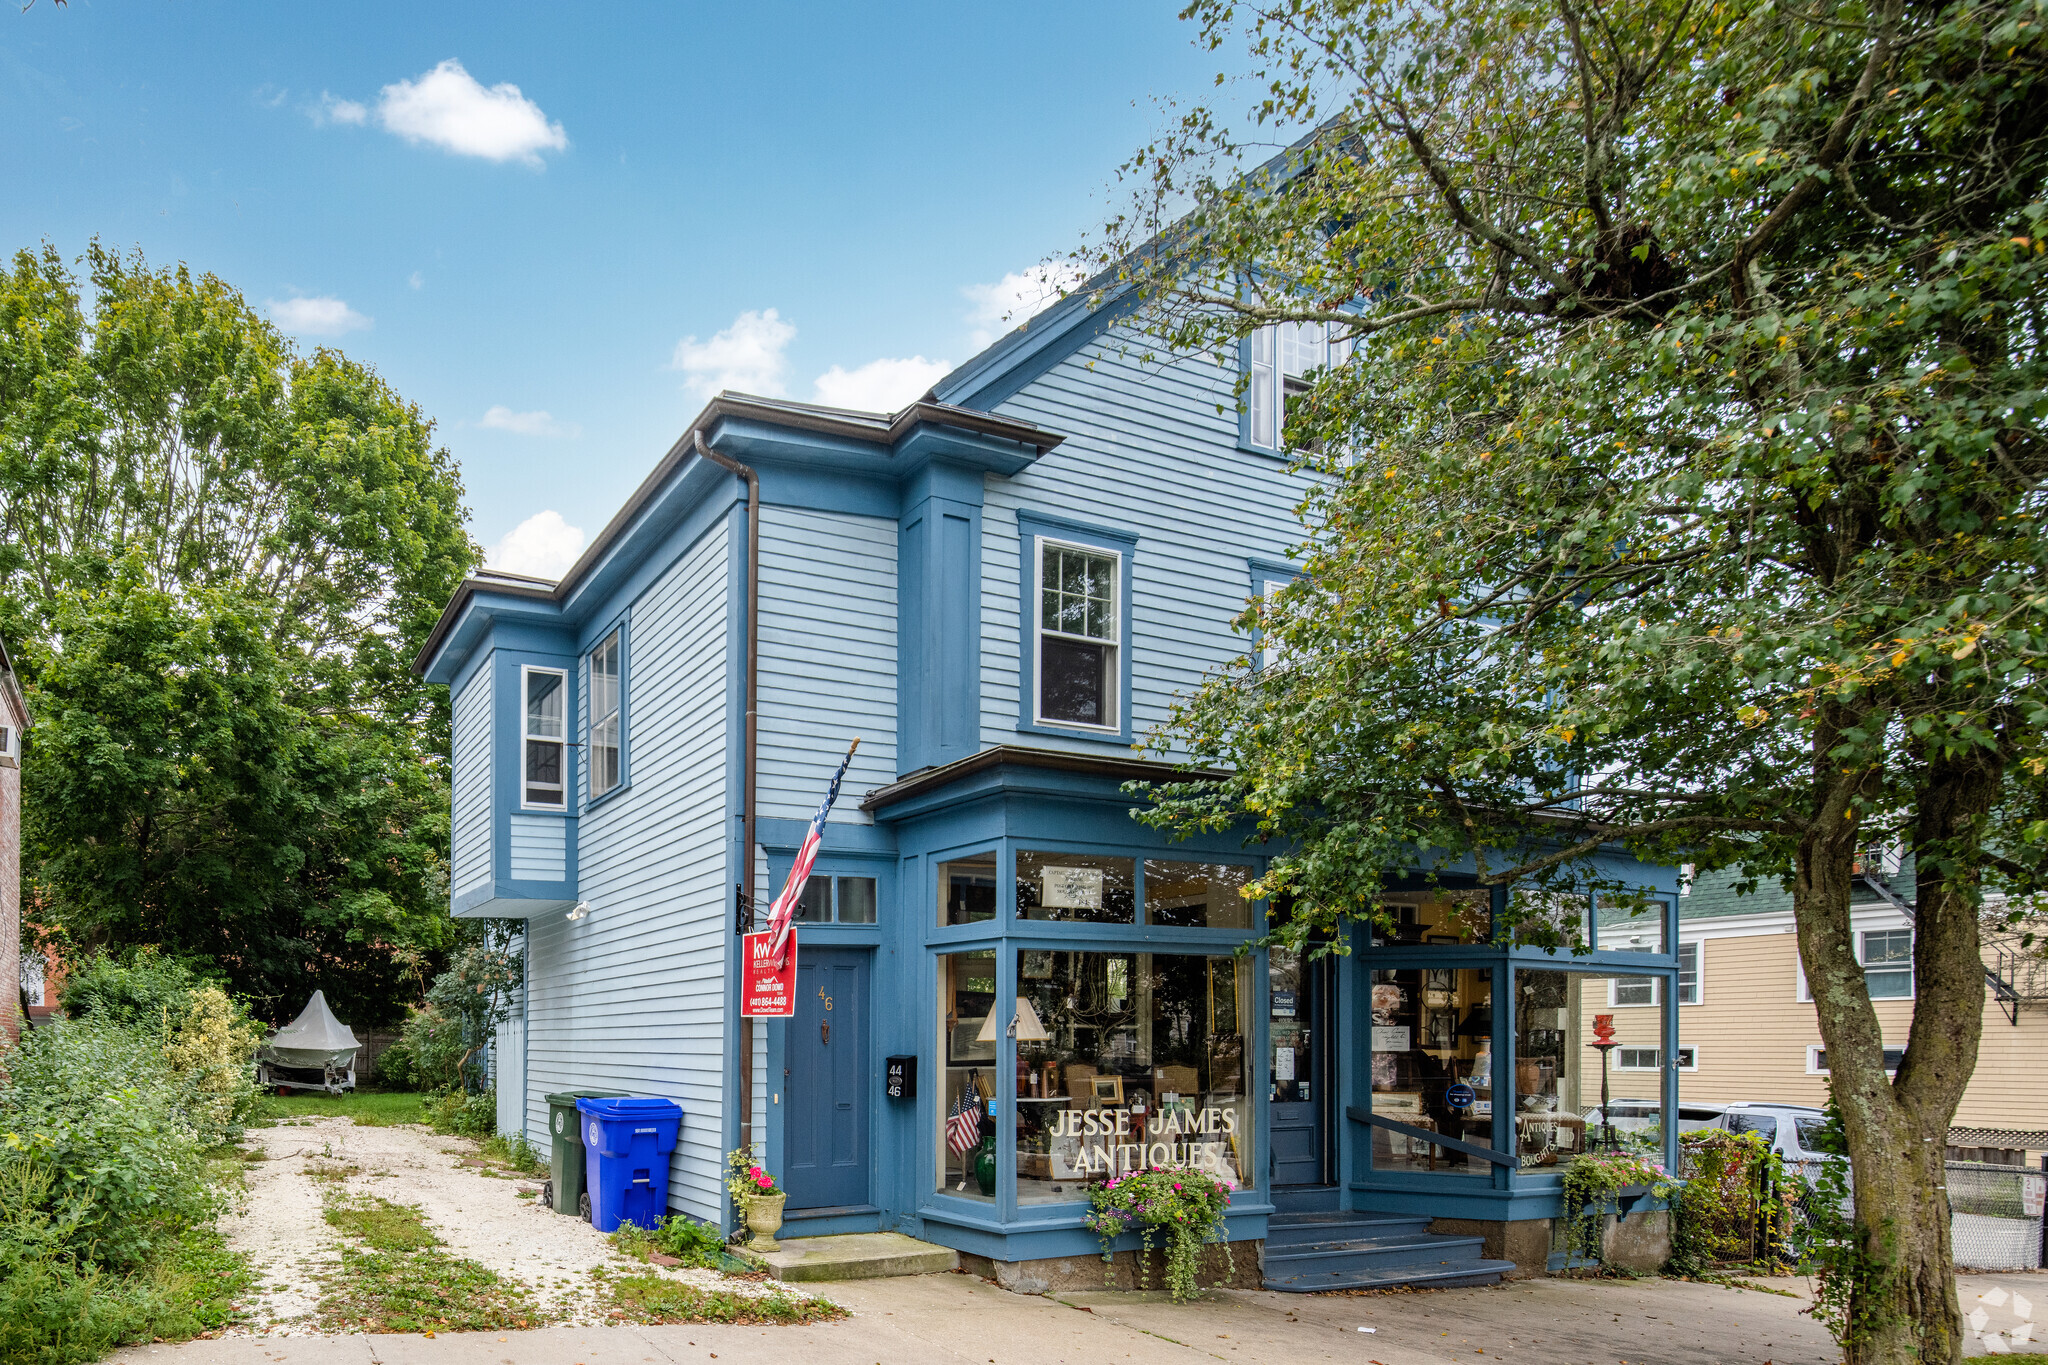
{"points": [[782, 914], [963, 1129]]}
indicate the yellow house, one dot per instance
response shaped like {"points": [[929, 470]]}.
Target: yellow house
{"points": [[1747, 1029]]}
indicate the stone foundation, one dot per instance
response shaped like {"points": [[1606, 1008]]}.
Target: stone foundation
{"points": [[1526, 1243], [1225, 1265], [1640, 1243]]}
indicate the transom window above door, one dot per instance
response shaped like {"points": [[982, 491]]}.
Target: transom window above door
{"points": [[1079, 628]]}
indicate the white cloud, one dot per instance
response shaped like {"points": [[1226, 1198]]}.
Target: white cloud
{"points": [[334, 109], [543, 545], [997, 308], [502, 418], [880, 385], [747, 356], [320, 317], [448, 108], [417, 280]]}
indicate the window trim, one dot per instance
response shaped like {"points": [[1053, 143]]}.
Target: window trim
{"points": [[1815, 1051], [1803, 990], [562, 808], [1656, 1000], [1699, 976], [1910, 967], [1034, 529], [591, 797]]}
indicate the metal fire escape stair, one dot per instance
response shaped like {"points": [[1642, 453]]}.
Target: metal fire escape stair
{"points": [[1997, 979]]}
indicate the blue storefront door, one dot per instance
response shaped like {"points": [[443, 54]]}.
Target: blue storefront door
{"points": [[1294, 1001], [827, 1088]]}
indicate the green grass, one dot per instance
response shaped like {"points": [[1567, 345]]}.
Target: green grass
{"points": [[514, 1154], [399, 1279], [370, 1108], [657, 1299], [381, 1224]]}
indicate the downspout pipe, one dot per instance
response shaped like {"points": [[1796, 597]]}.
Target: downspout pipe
{"points": [[743, 1046]]}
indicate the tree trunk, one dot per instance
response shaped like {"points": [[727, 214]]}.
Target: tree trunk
{"points": [[1904, 1308]]}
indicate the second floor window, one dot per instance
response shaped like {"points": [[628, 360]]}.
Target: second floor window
{"points": [[1888, 963], [544, 738], [1078, 631], [1281, 357], [1688, 973], [604, 716]]}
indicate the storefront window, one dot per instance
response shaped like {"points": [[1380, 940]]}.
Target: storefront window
{"points": [[1433, 1067], [1560, 1018], [1077, 887], [1196, 895], [967, 889], [1422, 917], [969, 1029], [1630, 925], [1127, 1060]]}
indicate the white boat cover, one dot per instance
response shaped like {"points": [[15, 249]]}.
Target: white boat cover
{"points": [[313, 1039]]}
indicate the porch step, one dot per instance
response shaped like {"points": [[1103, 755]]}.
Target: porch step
{"points": [[854, 1256], [1308, 1252]]}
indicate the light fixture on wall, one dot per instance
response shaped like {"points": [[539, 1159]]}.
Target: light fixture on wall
{"points": [[1025, 1026], [582, 911]]}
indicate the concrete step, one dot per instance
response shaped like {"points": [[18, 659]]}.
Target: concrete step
{"points": [[1437, 1275], [1372, 1254], [853, 1256]]}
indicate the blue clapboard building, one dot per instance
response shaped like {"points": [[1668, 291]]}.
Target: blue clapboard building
{"points": [[998, 590]]}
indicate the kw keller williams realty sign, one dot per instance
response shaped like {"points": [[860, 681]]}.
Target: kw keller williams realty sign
{"points": [[767, 991]]}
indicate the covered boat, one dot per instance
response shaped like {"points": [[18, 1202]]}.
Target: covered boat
{"points": [[315, 1051]]}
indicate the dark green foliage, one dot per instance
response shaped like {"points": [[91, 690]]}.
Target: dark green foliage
{"points": [[693, 1243], [461, 1114], [216, 558], [138, 988]]}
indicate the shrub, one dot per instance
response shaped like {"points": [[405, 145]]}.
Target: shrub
{"points": [[460, 1115], [139, 988], [210, 1047], [431, 1039], [1187, 1206], [396, 1069]]}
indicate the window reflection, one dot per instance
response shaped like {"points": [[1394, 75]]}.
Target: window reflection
{"points": [[1561, 1021], [1196, 895], [1078, 887], [1445, 917], [967, 889]]}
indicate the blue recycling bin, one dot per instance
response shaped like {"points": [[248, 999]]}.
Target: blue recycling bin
{"points": [[626, 1146]]}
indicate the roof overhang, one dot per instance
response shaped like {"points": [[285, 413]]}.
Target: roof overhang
{"points": [[1003, 766], [800, 440]]}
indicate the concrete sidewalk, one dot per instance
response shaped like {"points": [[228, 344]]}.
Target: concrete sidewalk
{"points": [[960, 1320]]}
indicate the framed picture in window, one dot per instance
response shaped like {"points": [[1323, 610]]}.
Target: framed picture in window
{"points": [[1106, 1089], [1035, 965]]}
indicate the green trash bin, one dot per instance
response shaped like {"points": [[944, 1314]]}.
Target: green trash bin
{"points": [[565, 1140]]}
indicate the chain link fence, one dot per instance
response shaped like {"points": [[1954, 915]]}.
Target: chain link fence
{"points": [[1995, 1215]]}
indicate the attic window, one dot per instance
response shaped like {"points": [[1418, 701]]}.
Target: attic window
{"points": [[1281, 357], [545, 738]]}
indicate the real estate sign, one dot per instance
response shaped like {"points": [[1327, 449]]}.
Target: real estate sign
{"points": [[767, 991]]}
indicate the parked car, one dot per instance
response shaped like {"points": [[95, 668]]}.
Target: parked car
{"points": [[1637, 1116]]}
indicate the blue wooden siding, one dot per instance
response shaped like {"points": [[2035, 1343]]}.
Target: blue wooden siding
{"points": [[1148, 453], [632, 998], [469, 837], [539, 847], [828, 658]]}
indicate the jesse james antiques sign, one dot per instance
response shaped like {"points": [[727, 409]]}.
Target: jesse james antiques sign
{"points": [[1089, 1142]]}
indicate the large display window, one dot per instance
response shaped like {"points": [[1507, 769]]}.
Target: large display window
{"points": [[1575, 1033], [968, 1048], [1433, 1067], [1123, 1060]]}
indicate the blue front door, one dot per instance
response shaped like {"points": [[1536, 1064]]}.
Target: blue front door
{"points": [[1298, 1039], [828, 1085]]}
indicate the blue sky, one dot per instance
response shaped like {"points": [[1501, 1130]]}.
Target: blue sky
{"points": [[824, 200]]}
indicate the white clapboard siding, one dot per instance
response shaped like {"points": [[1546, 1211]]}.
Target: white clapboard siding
{"points": [[828, 658], [469, 853], [1146, 453], [632, 997]]}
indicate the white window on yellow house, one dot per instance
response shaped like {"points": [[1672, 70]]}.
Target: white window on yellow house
{"points": [[1887, 956]]}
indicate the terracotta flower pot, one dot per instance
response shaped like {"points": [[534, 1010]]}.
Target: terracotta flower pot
{"points": [[764, 1220]]}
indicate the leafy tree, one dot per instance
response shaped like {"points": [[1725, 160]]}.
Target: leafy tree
{"points": [[1681, 490], [217, 556]]}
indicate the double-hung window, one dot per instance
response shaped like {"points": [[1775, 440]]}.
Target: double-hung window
{"points": [[1280, 360], [1688, 973], [1633, 990], [1888, 963], [1079, 628], [603, 750], [544, 738]]}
